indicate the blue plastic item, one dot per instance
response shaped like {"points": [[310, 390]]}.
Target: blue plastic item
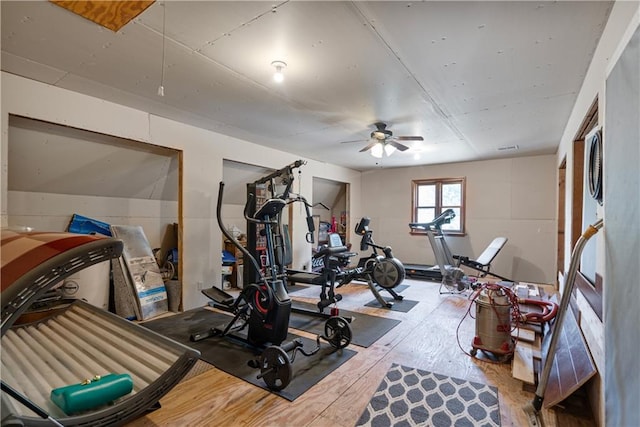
{"points": [[228, 258], [85, 225], [172, 255]]}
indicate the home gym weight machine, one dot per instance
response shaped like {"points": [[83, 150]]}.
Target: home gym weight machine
{"points": [[447, 270], [268, 187], [264, 307]]}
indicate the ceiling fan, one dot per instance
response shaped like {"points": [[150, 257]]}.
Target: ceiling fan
{"points": [[383, 141]]}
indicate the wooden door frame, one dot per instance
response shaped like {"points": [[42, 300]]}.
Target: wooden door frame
{"points": [[593, 292], [562, 190]]}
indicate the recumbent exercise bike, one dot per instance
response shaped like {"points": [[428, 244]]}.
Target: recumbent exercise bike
{"points": [[384, 271], [264, 308]]}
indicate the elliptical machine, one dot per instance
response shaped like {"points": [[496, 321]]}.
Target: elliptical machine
{"points": [[264, 308], [386, 271]]}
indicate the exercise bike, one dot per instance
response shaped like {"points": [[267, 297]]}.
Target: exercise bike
{"points": [[264, 308], [331, 272], [386, 271]]}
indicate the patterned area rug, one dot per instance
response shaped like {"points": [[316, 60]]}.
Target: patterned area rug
{"points": [[412, 397]]}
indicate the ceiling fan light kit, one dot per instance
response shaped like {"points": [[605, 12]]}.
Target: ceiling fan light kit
{"points": [[389, 149], [377, 150], [383, 142]]}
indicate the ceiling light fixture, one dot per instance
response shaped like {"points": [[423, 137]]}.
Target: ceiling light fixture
{"points": [[377, 150], [164, 21], [279, 66]]}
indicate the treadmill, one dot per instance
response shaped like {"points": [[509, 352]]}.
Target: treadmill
{"points": [[433, 272], [423, 272]]}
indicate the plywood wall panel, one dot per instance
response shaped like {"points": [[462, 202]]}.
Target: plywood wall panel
{"points": [[110, 14]]}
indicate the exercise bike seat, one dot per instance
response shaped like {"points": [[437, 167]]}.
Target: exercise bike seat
{"points": [[346, 255]]}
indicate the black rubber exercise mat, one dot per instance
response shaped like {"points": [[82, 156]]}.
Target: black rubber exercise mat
{"points": [[403, 306], [365, 329], [232, 356]]}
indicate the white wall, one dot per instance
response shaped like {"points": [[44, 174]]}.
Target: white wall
{"points": [[514, 198], [622, 238], [623, 21], [52, 212], [203, 154], [56, 171], [622, 235]]}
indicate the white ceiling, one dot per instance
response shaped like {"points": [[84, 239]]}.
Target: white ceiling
{"points": [[470, 77]]}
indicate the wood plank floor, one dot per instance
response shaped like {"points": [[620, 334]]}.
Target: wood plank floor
{"points": [[426, 339]]}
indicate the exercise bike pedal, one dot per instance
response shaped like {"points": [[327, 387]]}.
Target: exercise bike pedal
{"points": [[326, 302], [219, 296], [199, 336]]}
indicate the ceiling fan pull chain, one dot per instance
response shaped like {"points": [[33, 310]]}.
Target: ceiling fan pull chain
{"points": [[164, 20], [300, 188]]}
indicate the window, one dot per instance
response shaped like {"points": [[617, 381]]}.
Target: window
{"points": [[431, 197]]}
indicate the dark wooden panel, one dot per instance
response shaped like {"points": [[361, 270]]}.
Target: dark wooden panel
{"points": [[562, 188], [578, 191], [572, 364], [593, 293], [110, 14]]}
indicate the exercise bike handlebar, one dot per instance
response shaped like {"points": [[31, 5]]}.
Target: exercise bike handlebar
{"points": [[444, 218]]}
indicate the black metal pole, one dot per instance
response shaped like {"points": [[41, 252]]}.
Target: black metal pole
{"points": [[28, 403]]}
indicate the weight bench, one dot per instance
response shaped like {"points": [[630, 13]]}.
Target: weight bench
{"points": [[483, 263], [73, 340]]}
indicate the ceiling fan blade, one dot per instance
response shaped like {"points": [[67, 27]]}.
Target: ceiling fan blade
{"points": [[409, 138], [355, 140], [368, 147], [399, 146]]}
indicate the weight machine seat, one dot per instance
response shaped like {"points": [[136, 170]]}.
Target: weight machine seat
{"points": [[76, 340], [270, 209], [306, 277], [483, 263]]}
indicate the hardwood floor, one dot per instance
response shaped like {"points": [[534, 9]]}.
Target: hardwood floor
{"points": [[426, 339]]}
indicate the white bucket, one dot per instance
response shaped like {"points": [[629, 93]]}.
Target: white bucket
{"points": [[90, 285]]}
